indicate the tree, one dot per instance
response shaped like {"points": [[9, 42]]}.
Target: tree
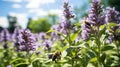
{"points": [[12, 21], [29, 21], [53, 18], [114, 3], [40, 25], [1, 28]]}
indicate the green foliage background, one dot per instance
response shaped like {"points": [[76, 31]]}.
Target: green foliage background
{"points": [[40, 25]]}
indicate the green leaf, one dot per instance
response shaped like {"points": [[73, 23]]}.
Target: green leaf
{"points": [[50, 31], [78, 24], [36, 63], [64, 48], [91, 54], [64, 53], [103, 29], [69, 50], [112, 24], [17, 59], [36, 59], [22, 65], [94, 59], [107, 47], [48, 61], [73, 36], [103, 57]]}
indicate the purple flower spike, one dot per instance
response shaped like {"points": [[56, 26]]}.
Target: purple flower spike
{"points": [[68, 15], [5, 38], [95, 13], [16, 38], [86, 28], [67, 11], [112, 15], [16, 34], [26, 41], [47, 43]]}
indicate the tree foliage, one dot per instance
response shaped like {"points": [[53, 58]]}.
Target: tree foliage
{"points": [[114, 3], [40, 25]]}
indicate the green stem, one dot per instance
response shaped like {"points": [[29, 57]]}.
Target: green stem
{"points": [[117, 46], [69, 39], [72, 62], [99, 46], [28, 57]]}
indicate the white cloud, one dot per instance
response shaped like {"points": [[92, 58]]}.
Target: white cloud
{"points": [[16, 6], [21, 18], [35, 18], [55, 11], [38, 12], [41, 12], [18, 1], [3, 22], [37, 3]]}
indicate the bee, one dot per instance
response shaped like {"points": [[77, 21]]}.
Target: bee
{"points": [[87, 23], [54, 56]]}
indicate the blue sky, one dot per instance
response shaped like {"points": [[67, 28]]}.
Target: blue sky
{"points": [[23, 9]]}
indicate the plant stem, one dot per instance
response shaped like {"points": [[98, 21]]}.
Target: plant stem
{"points": [[72, 62], [117, 46], [28, 57], [99, 46]]}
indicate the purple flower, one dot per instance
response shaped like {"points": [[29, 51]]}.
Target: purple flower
{"points": [[55, 27], [55, 35], [58, 29], [112, 15], [86, 28], [47, 43], [65, 26], [5, 38], [109, 39], [67, 16], [42, 35], [16, 38], [95, 13], [27, 41], [15, 34]]}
